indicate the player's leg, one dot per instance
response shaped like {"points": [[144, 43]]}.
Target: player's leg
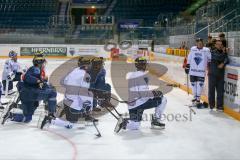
{"points": [[156, 118], [200, 85], [4, 86], [136, 115], [220, 93], [10, 86], [133, 123], [1, 107], [72, 115], [50, 96], [211, 90], [193, 80], [28, 109]]}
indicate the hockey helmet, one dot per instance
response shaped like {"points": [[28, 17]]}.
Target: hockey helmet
{"points": [[83, 61], [12, 54], [141, 63], [39, 58]]}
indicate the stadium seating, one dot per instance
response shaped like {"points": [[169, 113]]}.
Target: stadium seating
{"points": [[148, 10], [26, 13]]}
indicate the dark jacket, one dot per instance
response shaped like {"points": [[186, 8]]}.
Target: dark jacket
{"points": [[217, 58], [31, 77]]}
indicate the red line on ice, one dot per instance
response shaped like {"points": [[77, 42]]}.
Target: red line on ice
{"points": [[75, 152]]}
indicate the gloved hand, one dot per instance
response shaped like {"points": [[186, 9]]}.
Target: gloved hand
{"points": [[187, 68], [40, 83], [10, 76], [157, 94]]}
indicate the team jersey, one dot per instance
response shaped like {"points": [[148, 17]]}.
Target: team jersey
{"points": [[77, 84], [10, 67], [78, 77], [138, 89], [198, 60]]}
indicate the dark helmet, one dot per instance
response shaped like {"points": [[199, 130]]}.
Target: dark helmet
{"points": [[39, 58], [83, 61], [97, 63], [98, 60], [141, 63]]}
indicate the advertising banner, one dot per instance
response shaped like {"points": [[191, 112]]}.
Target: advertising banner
{"points": [[231, 88], [48, 51]]}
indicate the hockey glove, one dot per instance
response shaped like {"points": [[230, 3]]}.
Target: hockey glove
{"points": [[187, 68], [157, 94]]}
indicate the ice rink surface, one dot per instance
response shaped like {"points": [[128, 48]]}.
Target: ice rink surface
{"points": [[206, 135]]}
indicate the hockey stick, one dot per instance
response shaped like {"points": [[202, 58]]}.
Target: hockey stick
{"points": [[115, 110], [98, 132], [119, 100], [187, 84], [190, 107], [11, 105], [127, 102], [110, 112]]}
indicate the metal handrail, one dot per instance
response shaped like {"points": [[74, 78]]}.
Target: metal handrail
{"points": [[226, 22], [209, 25]]}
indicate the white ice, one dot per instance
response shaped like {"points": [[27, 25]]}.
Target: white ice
{"points": [[208, 135]]}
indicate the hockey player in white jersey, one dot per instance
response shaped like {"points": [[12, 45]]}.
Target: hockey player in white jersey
{"points": [[141, 98], [1, 107], [196, 67], [11, 72], [78, 101]]}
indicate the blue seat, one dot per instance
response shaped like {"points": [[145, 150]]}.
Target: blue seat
{"points": [[26, 13]]}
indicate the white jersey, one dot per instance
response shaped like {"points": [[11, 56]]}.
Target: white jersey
{"points": [[10, 67], [138, 89], [77, 84], [198, 60]]}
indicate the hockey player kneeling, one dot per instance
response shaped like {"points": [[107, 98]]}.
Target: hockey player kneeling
{"points": [[141, 98], [78, 100], [34, 89]]}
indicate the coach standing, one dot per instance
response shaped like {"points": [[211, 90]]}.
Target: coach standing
{"points": [[216, 75]]}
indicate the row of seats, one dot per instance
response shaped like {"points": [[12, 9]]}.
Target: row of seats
{"points": [[26, 13], [148, 10]]}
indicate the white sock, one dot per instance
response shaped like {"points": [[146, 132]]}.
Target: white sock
{"points": [[160, 108], [132, 125], [199, 89], [194, 89], [61, 123]]}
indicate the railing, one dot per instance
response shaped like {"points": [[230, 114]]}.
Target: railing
{"points": [[231, 27], [217, 21]]}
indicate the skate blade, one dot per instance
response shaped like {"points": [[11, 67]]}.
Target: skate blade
{"points": [[157, 128]]}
